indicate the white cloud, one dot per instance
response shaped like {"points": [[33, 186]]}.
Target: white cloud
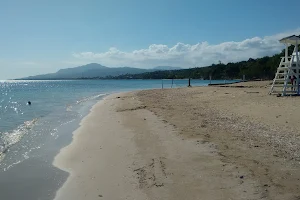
{"points": [[189, 55]]}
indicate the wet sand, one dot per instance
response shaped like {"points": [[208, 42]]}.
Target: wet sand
{"points": [[187, 143]]}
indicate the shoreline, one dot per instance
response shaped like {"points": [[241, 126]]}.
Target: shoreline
{"points": [[35, 172], [186, 143], [74, 157]]}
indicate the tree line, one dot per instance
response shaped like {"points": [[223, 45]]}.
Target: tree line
{"points": [[260, 68]]}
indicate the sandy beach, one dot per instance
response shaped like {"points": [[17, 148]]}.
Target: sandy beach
{"points": [[187, 143]]}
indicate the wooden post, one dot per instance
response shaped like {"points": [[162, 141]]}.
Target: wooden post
{"points": [[189, 83]]}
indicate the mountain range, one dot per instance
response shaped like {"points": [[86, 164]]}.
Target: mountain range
{"points": [[95, 70]]}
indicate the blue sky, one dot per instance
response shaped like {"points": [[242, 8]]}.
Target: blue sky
{"points": [[39, 36]]}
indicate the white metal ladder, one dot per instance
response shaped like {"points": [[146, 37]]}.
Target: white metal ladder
{"points": [[281, 83]]}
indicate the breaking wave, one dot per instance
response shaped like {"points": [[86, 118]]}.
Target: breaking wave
{"points": [[8, 139], [90, 98]]}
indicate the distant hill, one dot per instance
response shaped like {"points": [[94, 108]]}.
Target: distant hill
{"points": [[166, 68], [82, 69], [92, 70]]}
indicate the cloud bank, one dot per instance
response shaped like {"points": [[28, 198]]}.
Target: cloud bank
{"points": [[189, 55]]}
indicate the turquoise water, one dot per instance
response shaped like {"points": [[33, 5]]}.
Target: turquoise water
{"points": [[26, 128]]}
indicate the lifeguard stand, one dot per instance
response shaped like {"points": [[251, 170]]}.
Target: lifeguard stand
{"points": [[289, 67]]}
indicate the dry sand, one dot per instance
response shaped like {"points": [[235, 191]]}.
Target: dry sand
{"points": [[189, 143]]}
